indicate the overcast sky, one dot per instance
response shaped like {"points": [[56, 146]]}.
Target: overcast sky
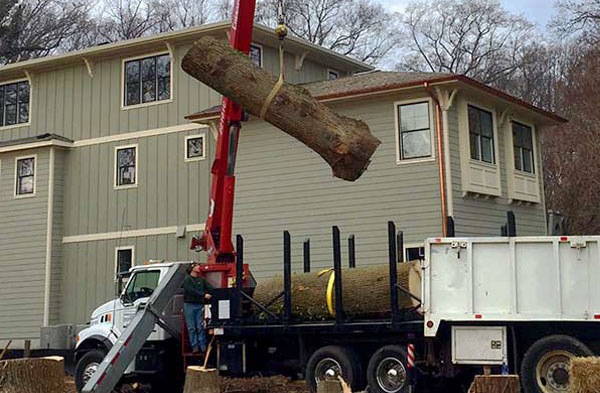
{"points": [[537, 11]]}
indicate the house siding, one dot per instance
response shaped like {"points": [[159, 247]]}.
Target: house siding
{"points": [[481, 216], [283, 185], [23, 225]]}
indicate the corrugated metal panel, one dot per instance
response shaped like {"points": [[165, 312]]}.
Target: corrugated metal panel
{"points": [[22, 250]]}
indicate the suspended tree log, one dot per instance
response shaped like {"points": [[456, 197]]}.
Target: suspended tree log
{"points": [[495, 384], [346, 144], [201, 380], [33, 375], [365, 290]]}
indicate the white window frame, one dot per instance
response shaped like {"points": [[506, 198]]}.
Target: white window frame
{"points": [[470, 165], [10, 82], [185, 147], [121, 248], [262, 53], [145, 104], [115, 163], [332, 71], [35, 168], [515, 174], [432, 157]]}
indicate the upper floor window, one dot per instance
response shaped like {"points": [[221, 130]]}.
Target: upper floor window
{"points": [[523, 147], [332, 75], [123, 260], [256, 55], [414, 131], [25, 176], [14, 103], [481, 135], [147, 80], [125, 166], [194, 148]]}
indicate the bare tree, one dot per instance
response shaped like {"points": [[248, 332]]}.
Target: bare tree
{"points": [[180, 14], [357, 28], [126, 19], [33, 28], [572, 173], [577, 16], [477, 38]]}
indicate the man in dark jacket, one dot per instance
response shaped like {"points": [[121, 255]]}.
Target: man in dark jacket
{"points": [[196, 293]]}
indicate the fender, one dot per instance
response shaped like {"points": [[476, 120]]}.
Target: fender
{"points": [[101, 333]]}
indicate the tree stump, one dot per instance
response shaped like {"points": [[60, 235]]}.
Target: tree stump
{"points": [[584, 375], [496, 384], [345, 144], [201, 380], [328, 386], [33, 375]]}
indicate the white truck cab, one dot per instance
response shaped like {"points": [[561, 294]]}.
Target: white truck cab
{"points": [[109, 320]]}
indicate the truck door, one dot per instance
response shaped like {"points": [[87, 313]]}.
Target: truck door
{"points": [[139, 288]]}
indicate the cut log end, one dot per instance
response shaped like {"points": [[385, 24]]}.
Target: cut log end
{"points": [[201, 380], [33, 375]]}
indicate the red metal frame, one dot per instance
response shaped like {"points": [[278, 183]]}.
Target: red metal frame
{"points": [[216, 239]]}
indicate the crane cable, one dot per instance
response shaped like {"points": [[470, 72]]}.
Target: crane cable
{"points": [[281, 32]]}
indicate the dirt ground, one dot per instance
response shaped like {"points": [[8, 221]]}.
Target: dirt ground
{"points": [[234, 385]]}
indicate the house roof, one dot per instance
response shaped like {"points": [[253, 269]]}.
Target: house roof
{"points": [[261, 34], [374, 82], [34, 139]]}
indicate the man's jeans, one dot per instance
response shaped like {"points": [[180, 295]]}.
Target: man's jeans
{"points": [[194, 315]]}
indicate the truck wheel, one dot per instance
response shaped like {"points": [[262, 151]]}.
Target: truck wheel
{"points": [[545, 367], [330, 362], [387, 371], [87, 366]]}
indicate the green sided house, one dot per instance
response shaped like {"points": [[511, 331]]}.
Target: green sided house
{"points": [[105, 158]]}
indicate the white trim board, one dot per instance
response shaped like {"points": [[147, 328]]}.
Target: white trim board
{"points": [[138, 134], [128, 234], [49, 221], [35, 145]]}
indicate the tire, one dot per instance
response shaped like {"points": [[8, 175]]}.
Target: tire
{"points": [[545, 366], [86, 365], [341, 360], [387, 370]]}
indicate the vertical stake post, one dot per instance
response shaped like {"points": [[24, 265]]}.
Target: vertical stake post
{"points": [[511, 223], [393, 257], [306, 255], [287, 277], [239, 276], [400, 246], [337, 269], [351, 252], [451, 229]]}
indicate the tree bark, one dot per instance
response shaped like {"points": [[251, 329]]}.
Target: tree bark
{"points": [[495, 384], [365, 291], [345, 144], [329, 387], [33, 375], [201, 380], [584, 375]]}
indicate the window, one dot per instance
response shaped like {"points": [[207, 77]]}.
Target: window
{"points": [[123, 259], [414, 131], [25, 176], [256, 55], [125, 166], [194, 148], [147, 80], [141, 285], [523, 147], [481, 135], [332, 75], [414, 253], [14, 104]]}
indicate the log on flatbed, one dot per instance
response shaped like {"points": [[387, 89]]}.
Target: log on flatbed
{"points": [[345, 144], [365, 290], [33, 375]]}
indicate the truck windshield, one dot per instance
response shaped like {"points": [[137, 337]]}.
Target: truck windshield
{"points": [[141, 285]]}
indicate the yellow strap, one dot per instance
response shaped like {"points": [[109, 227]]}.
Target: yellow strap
{"points": [[330, 288], [277, 86]]}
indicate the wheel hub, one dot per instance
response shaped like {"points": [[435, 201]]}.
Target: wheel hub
{"points": [[391, 375], [552, 372], [89, 371], [328, 369]]}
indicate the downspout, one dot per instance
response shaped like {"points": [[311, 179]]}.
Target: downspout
{"points": [[47, 278], [447, 105], [440, 161]]}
